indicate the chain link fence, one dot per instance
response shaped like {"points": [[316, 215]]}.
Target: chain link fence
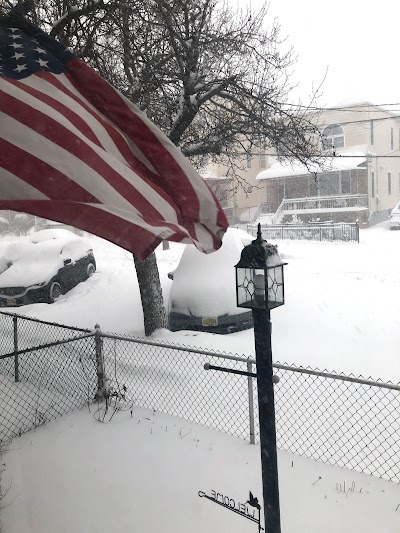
{"points": [[171, 379], [46, 370], [346, 421]]}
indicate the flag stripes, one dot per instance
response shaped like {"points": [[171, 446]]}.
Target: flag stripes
{"points": [[74, 150]]}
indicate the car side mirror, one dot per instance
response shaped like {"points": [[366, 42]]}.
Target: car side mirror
{"points": [[67, 261]]}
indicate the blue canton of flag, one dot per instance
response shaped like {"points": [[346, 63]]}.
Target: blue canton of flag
{"points": [[22, 56]]}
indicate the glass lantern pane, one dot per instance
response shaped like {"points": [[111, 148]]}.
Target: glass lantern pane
{"points": [[279, 294], [278, 274], [259, 288], [250, 284], [244, 285], [275, 286]]}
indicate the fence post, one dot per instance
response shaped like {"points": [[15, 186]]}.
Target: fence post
{"points": [[358, 231], [251, 402], [101, 379], [16, 360]]}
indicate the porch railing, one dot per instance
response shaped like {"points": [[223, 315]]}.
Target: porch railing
{"points": [[311, 203], [262, 209], [325, 202], [345, 232]]}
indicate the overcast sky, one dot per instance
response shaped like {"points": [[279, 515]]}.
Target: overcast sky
{"points": [[357, 41]]}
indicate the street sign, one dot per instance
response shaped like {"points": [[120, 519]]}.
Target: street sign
{"points": [[247, 509]]}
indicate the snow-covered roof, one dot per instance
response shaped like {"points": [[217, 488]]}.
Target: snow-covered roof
{"points": [[346, 160], [350, 102], [362, 103], [212, 176]]}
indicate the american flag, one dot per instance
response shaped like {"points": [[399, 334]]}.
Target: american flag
{"points": [[74, 150]]}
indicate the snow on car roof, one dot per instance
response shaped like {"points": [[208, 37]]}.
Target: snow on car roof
{"points": [[205, 285], [33, 259]]}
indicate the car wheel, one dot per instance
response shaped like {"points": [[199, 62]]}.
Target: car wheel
{"points": [[55, 291], [91, 269]]}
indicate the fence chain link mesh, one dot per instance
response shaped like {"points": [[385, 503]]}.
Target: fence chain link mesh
{"points": [[172, 380], [337, 419], [46, 382], [345, 423]]}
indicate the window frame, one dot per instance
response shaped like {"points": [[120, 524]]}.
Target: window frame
{"points": [[332, 137]]}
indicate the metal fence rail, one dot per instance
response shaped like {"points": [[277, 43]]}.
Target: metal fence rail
{"points": [[347, 421], [311, 232]]}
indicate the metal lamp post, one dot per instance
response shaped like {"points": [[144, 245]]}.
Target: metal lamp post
{"points": [[260, 287]]}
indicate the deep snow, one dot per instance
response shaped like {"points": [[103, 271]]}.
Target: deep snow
{"points": [[342, 309], [143, 473]]}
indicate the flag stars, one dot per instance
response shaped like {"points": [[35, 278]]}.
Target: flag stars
{"points": [[16, 45], [41, 62], [18, 56], [20, 68], [40, 50], [13, 29]]}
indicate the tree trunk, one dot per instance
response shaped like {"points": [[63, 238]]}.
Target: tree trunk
{"points": [[150, 293]]}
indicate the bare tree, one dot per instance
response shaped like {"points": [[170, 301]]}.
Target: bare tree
{"points": [[215, 79]]}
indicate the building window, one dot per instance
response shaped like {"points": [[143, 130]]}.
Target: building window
{"points": [[391, 139], [389, 183], [372, 185], [263, 162], [345, 182], [371, 129], [333, 137], [248, 161]]}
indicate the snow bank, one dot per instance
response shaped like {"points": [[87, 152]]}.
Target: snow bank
{"points": [[204, 285]]}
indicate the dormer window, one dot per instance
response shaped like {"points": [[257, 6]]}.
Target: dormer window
{"points": [[333, 137]]}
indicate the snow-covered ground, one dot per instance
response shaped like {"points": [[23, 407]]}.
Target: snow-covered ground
{"points": [[342, 308], [143, 473]]}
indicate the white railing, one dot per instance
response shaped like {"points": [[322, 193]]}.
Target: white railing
{"points": [[324, 202], [277, 216], [263, 208]]}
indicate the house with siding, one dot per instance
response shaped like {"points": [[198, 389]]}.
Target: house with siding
{"points": [[358, 179]]}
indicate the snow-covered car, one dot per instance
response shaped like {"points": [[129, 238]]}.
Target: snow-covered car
{"points": [[394, 218], [42, 266], [203, 291]]}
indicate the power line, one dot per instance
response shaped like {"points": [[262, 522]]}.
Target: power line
{"points": [[355, 108], [321, 156]]}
